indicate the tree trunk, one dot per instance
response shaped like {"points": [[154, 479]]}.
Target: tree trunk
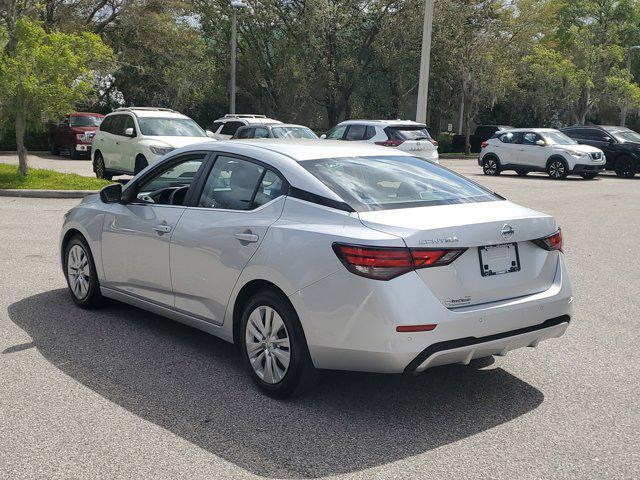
{"points": [[583, 105], [21, 127], [467, 129]]}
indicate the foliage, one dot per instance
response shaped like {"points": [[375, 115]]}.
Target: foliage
{"points": [[47, 180]]}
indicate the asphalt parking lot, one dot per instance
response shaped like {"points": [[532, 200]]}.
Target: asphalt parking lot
{"points": [[121, 393]]}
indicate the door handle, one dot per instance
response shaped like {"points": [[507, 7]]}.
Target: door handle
{"points": [[162, 229], [247, 237]]}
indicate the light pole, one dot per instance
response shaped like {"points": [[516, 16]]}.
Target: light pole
{"points": [[425, 57], [235, 5], [623, 110]]}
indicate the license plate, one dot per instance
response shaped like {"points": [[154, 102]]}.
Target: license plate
{"points": [[499, 259]]}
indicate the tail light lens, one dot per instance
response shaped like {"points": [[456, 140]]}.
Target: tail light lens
{"points": [[484, 144], [391, 143], [385, 263], [552, 242]]}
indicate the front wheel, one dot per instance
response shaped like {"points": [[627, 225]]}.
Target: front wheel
{"points": [[625, 167], [557, 169], [73, 153], [140, 164], [80, 271], [273, 346], [99, 168], [491, 166]]}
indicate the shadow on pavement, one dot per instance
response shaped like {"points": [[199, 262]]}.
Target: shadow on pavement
{"points": [[192, 384]]}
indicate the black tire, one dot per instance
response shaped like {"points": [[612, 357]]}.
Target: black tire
{"points": [[92, 298], [73, 153], [557, 169], [54, 149], [99, 168], [588, 176], [522, 173], [141, 164], [491, 165], [625, 167], [300, 374]]}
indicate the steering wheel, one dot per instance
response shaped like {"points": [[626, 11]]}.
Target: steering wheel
{"points": [[178, 194]]}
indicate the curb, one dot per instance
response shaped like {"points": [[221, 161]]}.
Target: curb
{"points": [[11, 192]]}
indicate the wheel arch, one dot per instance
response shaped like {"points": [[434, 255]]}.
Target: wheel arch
{"points": [[556, 156]]}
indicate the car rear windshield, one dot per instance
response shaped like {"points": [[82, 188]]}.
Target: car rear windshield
{"points": [[170, 127], [408, 133], [391, 182], [293, 132], [85, 121]]}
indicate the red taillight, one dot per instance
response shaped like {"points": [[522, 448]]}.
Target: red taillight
{"points": [[416, 328], [391, 143], [552, 242], [385, 263], [484, 144]]}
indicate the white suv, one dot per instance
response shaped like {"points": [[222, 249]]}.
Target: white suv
{"points": [[539, 150], [225, 127], [404, 135], [129, 139]]}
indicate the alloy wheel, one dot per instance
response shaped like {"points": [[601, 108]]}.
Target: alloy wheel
{"points": [[490, 167], [267, 343], [99, 166], [556, 169], [78, 272]]}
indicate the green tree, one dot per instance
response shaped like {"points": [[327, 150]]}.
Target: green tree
{"points": [[44, 74]]}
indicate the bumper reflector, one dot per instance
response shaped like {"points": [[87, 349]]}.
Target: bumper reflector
{"points": [[416, 328]]}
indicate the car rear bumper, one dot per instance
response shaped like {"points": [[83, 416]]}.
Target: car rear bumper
{"points": [[350, 323]]}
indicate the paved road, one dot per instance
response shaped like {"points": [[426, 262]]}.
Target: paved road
{"points": [[121, 393]]}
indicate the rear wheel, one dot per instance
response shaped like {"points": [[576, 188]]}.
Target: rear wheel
{"points": [[273, 346], [625, 167], [491, 166], [99, 168], [557, 169], [80, 272]]}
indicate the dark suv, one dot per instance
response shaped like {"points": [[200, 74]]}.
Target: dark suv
{"points": [[620, 145]]}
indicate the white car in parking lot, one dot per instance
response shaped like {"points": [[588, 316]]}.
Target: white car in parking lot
{"points": [[129, 139], [347, 256], [226, 127], [404, 135], [527, 150]]}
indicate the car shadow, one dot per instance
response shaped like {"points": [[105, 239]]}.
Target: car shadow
{"points": [[192, 384], [539, 176]]}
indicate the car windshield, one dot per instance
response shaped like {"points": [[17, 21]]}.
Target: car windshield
{"points": [[390, 182], [557, 138], [409, 133], [170, 127], [293, 132], [624, 135], [85, 121]]}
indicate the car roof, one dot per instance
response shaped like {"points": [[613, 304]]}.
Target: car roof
{"points": [[279, 124], [535, 130], [145, 112], [390, 123]]}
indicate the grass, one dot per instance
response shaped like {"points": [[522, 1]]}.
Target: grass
{"points": [[40, 179]]}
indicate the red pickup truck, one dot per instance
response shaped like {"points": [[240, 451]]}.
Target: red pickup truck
{"points": [[74, 133]]}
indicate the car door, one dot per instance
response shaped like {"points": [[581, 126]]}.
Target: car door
{"points": [[530, 153], [217, 236], [127, 145], [109, 146], [508, 148], [136, 235]]}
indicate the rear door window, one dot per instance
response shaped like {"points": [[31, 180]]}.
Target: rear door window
{"points": [[230, 128], [510, 137], [245, 133], [355, 132], [261, 132], [232, 184]]}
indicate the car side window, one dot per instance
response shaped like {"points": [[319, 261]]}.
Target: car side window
{"points": [[369, 133], [216, 126], [337, 133], [231, 185], [509, 137], [170, 186], [127, 123], [530, 138], [245, 133], [261, 132], [105, 126], [270, 188], [117, 123], [355, 132], [230, 128]]}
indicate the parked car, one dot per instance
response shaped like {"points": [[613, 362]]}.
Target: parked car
{"points": [[224, 128], [347, 256], [404, 135], [620, 145], [129, 139], [275, 130], [74, 133], [539, 150], [481, 134]]}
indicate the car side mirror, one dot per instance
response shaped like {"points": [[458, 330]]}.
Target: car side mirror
{"points": [[209, 133], [323, 136], [541, 143], [129, 132], [111, 193]]}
